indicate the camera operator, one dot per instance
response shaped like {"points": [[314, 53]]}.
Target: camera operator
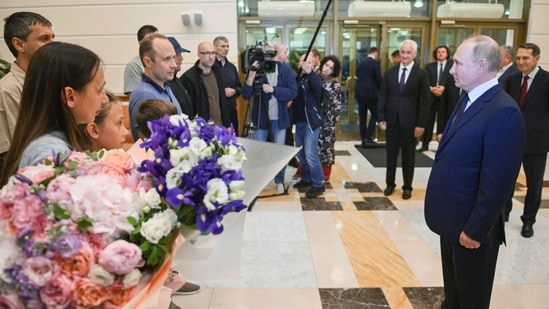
{"points": [[269, 86]]}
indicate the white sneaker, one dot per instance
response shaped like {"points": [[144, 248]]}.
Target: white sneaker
{"points": [[280, 188]]}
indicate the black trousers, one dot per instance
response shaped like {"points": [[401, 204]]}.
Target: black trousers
{"points": [[428, 133], [403, 140], [469, 274], [534, 168], [367, 128]]}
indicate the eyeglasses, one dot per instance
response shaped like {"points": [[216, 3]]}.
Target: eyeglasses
{"points": [[208, 53]]}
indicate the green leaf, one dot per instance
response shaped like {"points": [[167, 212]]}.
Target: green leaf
{"points": [[83, 223], [145, 246], [60, 213]]}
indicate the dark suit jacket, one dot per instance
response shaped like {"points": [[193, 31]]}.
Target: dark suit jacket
{"points": [[535, 110], [448, 102], [432, 68], [368, 82], [409, 108], [512, 70], [475, 168]]}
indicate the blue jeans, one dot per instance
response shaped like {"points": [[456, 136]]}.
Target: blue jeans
{"points": [[279, 138], [311, 169]]}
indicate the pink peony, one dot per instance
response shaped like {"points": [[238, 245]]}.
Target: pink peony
{"points": [[120, 257], [57, 293], [40, 270], [9, 195], [58, 189], [37, 173]]}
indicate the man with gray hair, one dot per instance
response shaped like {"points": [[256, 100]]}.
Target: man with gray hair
{"points": [[473, 174], [403, 108], [231, 80], [507, 68]]}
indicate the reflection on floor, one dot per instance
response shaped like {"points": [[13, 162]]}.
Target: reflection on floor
{"points": [[355, 248]]}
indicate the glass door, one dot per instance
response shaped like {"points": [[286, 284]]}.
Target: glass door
{"points": [[355, 41]]}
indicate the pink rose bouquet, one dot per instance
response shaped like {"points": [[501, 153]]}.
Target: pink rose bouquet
{"points": [[65, 229], [94, 230]]}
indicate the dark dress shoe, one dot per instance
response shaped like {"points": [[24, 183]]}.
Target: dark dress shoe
{"points": [[527, 230], [406, 194], [389, 190]]}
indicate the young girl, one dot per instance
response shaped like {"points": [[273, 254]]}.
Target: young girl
{"points": [[64, 87], [107, 131]]}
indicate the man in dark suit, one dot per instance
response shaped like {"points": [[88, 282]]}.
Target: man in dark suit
{"points": [[403, 107], [535, 110], [439, 71], [472, 176], [449, 101], [507, 68], [367, 86]]}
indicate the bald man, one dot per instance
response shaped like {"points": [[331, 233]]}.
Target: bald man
{"points": [[204, 82]]}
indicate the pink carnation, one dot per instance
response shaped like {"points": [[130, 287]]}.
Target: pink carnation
{"points": [[57, 293], [120, 257], [27, 212]]}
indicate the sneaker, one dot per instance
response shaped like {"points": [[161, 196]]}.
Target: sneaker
{"points": [[315, 191], [302, 184], [188, 289], [280, 188], [174, 281]]}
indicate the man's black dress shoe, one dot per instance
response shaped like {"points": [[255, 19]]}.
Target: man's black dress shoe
{"points": [[527, 230], [389, 190], [406, 194]]}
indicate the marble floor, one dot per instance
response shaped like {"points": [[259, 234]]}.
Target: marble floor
{"points": [[355, 248]]}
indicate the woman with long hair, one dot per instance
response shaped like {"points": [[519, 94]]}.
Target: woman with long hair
{"points": [[330, 67], [64, 87]]}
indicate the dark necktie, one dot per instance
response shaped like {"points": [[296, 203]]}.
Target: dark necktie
{"points": [[523, 90], [461, 107], [402, 79], [439, 73]]}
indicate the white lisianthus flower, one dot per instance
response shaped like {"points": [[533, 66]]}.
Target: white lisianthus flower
{"points": [[160, 225], [101, 275], [150, 198], [131, 278], [198, 146], [173, 178], [236, 192], [228, 162], [176, 119], [179, 155], [217, 192], [236, 152]]}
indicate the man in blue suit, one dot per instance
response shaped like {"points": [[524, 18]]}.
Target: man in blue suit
{"points": [[403, 107], [473, 175], [535, 110], [368, 82]]}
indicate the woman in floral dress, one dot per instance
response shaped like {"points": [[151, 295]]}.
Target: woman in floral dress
{"points": [[330, 67]]}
